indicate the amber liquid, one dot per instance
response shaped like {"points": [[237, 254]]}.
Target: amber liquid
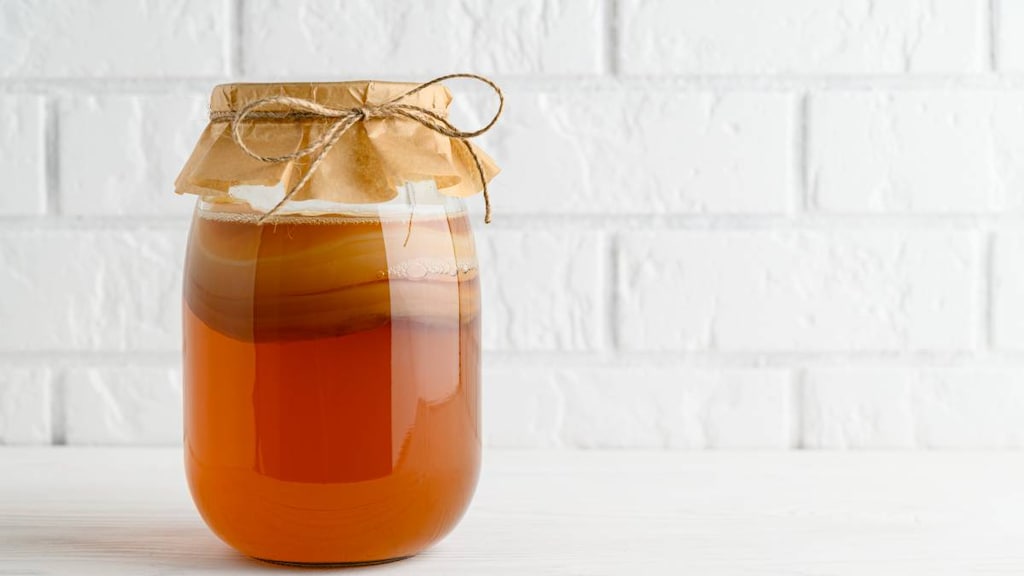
{"points": [[331, 383]]}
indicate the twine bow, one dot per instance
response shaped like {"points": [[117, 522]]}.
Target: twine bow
{"points": [[345, 118]]}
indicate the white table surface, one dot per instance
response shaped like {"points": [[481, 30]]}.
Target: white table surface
{"points": [[127, 511]]}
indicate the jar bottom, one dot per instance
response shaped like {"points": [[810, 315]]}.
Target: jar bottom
{"points": [[332, 564]]}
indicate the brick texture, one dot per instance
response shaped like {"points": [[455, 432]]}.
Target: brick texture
{"points": [[1009, 17], [509, 37], [802, 36], [927, 152], [22, 141], [123, 406], [676, 408], [121, 154], [112, 38], [799, 291], [913, 408], [90, 290], [523, 403], [648, 152], [25, 396], [1007, 315], [542, 290]]}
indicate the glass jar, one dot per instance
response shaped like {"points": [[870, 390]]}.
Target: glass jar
{"points": [[332, 319], [332, 375]]}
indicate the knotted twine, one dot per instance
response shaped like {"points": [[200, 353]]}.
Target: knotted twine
{"points": [[345, 118]]}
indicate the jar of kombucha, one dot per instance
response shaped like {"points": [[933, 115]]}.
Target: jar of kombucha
{"points": [[331, 337]]}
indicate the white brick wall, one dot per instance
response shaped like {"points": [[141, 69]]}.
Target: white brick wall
{"points": [[542, 290], [676, 407], [881, 152], [113, 38], [721, 223], [803, 36], [781, 291], [90, 290], [145, 139], [1008, 291], [1009, 16], [667, 152], [25, 405], [872, 407], [117, 405], [21, 140], [284, 38]]}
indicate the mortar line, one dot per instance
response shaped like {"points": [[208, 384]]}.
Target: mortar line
{"points": [[992, 34], [235, 38], [58, 409], [987, 291], [612, 291], [612, 39], [823, 222], [51, 158], [804, 203], [797, 380], [576, 83], [63, 358], [76, 358]]}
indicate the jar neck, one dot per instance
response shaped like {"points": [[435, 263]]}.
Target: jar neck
{"points": [[420, 198]]}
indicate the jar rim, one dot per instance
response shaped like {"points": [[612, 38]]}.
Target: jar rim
{"points": [[233, 96]]}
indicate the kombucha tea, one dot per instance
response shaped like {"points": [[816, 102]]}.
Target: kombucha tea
{"points": [[332, 372]]}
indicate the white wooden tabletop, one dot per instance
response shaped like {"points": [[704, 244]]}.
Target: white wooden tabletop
{"points": [[127, 511]]}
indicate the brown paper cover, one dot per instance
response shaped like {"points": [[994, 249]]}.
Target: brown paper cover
{"points": [[370, 161]]}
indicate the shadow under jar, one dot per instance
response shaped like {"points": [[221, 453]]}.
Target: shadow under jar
{"points": [[332, 367]]}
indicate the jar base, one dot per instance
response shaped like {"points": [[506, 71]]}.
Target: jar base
{"points": [[331, 564]]}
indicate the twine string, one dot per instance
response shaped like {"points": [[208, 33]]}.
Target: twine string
{"points": [[346, 118]]}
